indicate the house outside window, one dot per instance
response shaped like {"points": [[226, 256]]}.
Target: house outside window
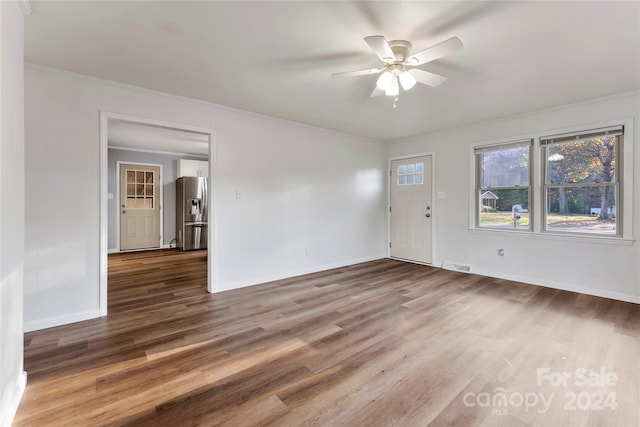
{"points": [[503, 185]]}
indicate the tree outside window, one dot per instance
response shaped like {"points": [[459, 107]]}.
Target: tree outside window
{"points": [[581, 182]]}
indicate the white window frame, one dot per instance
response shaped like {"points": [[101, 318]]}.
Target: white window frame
{"points": [[536, 214], [525, 142], [547, 141]]}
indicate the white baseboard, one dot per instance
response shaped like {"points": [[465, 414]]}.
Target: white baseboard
{"points": [[164, 246], [16, 396], [604, 293], [50, 322], [294, 273]]}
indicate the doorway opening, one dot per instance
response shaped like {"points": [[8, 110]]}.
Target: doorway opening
{"points": [[143, 144]]}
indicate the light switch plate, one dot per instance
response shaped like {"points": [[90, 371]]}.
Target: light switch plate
{"points": [[441, 194]]}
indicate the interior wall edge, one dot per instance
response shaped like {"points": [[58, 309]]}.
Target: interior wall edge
{"points": [[51, 322], [288, 275], [16, 396]]}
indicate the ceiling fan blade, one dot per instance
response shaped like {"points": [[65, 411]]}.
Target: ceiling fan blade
{"points": [[434, 52], [356, 73], [381, 48], [376, 92], [427, 78]]}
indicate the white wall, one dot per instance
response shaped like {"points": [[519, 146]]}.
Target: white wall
{"points": [[12, 377], [300, 188], [609, 270]]}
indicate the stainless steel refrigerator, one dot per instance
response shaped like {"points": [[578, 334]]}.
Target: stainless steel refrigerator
{"points": [[191, 213]]}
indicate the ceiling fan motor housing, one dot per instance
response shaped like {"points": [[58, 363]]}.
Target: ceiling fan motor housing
{"points": [[401, 49]]}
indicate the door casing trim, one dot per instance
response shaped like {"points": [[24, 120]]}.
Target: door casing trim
{"points": [[105, 116], [433, 203]]}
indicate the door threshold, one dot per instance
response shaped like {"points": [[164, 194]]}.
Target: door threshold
{"points": [[428, 264], [140, 250]]}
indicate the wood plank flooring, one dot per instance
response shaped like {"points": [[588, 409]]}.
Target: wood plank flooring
{"points": [[383, 343]]}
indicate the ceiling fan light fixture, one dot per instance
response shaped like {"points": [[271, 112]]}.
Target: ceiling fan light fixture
{"points": [[407, 80], [384, 81], [393, 89]]}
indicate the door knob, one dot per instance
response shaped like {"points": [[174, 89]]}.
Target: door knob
{"points": [[428, 215]]}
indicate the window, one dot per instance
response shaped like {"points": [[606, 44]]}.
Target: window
{"points": [[140, 189], [503, 185], [581, 182], [411, 174]]}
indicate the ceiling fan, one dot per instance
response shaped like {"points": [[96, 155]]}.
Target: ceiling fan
{"points": [[398, 70]]}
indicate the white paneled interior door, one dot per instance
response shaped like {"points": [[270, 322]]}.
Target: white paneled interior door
{"points": [[411, 210]]}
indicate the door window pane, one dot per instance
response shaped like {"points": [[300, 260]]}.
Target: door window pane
{"points": [[411, 174], [140, 189]]}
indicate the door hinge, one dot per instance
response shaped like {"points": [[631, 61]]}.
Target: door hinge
{"points": [[389, 208], [390, 172], [389, 244]]}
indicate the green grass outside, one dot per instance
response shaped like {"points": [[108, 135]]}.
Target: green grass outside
{"points": [[553, 220]]}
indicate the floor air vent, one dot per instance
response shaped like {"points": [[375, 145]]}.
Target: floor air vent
{"points": [[456, 267]]}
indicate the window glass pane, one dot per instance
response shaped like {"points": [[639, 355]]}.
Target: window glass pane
{"points": [[402, 179], [131, 190], [419, 178], [409, 179], [584, 161], [419, 167], [507, 167], [148, 190], [131, 176], [410, 168], [148, 177], [582, 210], [139, 176], [506, 209], [402, 170]]}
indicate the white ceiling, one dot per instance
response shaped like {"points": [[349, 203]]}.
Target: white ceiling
{"points": [[142, 137], [277, 58]]}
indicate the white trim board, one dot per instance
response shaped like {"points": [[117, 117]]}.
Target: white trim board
{"points": [[295, 273], [16, 396], [603, 293], [50, 322]]}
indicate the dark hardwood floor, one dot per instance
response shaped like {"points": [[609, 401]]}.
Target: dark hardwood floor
{"points": [[383, 343]]}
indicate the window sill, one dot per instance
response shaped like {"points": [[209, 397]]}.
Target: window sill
{"points": [[553, 236]]}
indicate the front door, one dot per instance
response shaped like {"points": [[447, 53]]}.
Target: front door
{"points": [[411, 211], [139, 206]]}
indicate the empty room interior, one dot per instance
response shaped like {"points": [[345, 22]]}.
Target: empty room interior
{"points": [[328, 213]]}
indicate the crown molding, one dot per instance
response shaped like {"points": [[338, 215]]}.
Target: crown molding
{"points": [[25, 5]]}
